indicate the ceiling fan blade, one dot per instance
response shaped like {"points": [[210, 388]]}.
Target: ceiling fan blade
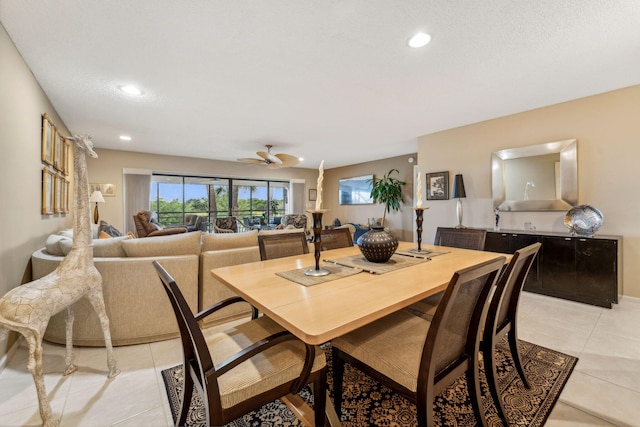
{"points": [[263, 154], [252, 161], [275, 166], [288, 159]]}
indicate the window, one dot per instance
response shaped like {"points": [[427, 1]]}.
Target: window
{"points": [[254, 202]]}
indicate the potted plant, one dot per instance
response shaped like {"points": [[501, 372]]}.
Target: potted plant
{"points": [[388, 191], [377, 245]]}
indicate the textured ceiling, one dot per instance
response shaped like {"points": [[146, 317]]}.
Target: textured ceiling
{"points": [[332, 80]]}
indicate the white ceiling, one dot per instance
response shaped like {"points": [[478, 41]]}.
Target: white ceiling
{"points": [[332, 80]]}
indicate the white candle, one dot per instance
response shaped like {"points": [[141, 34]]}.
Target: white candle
{"points": [[320, 179], [419, 192]]}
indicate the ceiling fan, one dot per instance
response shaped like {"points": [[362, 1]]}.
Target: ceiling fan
{"points": [[272, 161]]}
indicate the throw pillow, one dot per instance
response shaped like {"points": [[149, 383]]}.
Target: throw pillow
{"points": [[53, 244], [219, 241], [109, 229], [103, 235]]}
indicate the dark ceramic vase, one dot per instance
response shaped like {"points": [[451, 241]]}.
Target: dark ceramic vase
{"points": [[377, 245]]}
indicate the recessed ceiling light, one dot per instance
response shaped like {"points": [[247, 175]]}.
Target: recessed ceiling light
{"points": [[419, 40], [301, 159], [125, 137], [131, 90]]}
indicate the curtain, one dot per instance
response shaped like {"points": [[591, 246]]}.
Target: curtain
{"points": [[137, 192]]}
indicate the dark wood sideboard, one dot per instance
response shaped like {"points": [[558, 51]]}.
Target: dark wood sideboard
{"points": [[577, 268]]}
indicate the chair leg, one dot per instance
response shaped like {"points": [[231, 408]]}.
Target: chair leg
{"points": [[187, 393], [515, 354], [320, 399], [489, 356], [473, 385], [338, 374]]}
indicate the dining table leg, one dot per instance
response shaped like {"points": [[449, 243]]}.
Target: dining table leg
{"points": [[304, 412]]}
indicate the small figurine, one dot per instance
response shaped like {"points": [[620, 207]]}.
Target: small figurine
{"points": [[496, 212]]}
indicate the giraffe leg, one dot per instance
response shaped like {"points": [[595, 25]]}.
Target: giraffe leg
{"points": [[97, 301], [35, 367], [71, 368]]}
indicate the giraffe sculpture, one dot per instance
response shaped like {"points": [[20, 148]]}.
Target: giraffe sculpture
{"points": [[27, 309]]}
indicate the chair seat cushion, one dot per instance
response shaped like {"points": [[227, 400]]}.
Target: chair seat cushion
{"points": [[274, 366], [391, 345]]}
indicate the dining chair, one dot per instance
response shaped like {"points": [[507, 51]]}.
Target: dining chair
{"points": [[280, 245], [245, 367], [464, 238], [335, 238], [417, 358], [502, 319]]}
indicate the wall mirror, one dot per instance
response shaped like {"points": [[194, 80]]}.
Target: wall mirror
{"points": [[541, 177]]}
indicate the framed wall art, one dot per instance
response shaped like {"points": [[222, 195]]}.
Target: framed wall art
{"points": [[107, 190], [67, 157], [355, 190], [58, 150], [47, 140], [313, 194], [438, 186], [48, 184]]}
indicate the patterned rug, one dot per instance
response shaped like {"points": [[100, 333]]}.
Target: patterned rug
{"points": [[367, 403]]}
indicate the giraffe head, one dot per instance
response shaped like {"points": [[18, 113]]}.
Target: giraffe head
{"points": [[84, 143]]}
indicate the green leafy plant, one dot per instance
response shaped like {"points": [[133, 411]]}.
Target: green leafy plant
{"points": [[388, 191]]}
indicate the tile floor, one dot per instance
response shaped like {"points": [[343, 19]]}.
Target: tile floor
{"points": [[603, 390]]}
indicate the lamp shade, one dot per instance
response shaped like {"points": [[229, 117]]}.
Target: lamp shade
{"points": [[97, 197], [458, 187]]}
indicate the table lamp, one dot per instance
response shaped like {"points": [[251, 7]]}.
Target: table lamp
{"points": [[96, 197], [459, 193]]}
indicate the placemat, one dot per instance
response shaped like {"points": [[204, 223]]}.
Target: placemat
{"points": [[337, 272], [396, 262], [423, 254]]}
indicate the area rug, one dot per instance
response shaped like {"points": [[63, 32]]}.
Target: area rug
{"points": [[367, 403]]}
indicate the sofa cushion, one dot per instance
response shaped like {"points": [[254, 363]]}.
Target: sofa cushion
{"points": [[102, 248], [109, 229], [174, 244], [220, 241]]}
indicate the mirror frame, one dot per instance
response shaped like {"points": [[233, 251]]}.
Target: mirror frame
{"points": [[568, 150]]}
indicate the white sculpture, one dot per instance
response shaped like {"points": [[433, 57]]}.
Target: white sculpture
{"points": [[27, 309]]}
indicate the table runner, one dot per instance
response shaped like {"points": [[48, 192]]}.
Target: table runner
{"points": [[397, 261]]}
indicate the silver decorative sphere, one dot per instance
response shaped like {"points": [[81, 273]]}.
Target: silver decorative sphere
{"points": [[584, 220]]}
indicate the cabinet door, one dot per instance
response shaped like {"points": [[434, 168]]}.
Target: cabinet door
{"points": [[519, 241], [497, 242], [596, 266], [558, 264]]}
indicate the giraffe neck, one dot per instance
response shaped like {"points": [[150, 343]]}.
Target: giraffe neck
{"points": [[81, 208]]}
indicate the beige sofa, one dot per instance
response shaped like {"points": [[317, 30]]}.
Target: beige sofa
{"points": [[138, 308]]}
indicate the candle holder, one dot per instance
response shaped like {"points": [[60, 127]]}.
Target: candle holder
{"points": [[317, 240], [419, 214]]}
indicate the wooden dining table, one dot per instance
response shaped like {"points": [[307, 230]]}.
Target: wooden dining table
{"points": [[316, 314]]}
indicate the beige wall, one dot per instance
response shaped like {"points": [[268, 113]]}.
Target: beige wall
{"points": [[607, 128], [401, 224], [22, 103], [108, 168]]}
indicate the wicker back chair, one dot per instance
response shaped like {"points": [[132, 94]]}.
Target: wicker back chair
{"points": [[279, 245], [335, 238], [465, 238], [502, 317], [417, 358], [263, 362]]}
